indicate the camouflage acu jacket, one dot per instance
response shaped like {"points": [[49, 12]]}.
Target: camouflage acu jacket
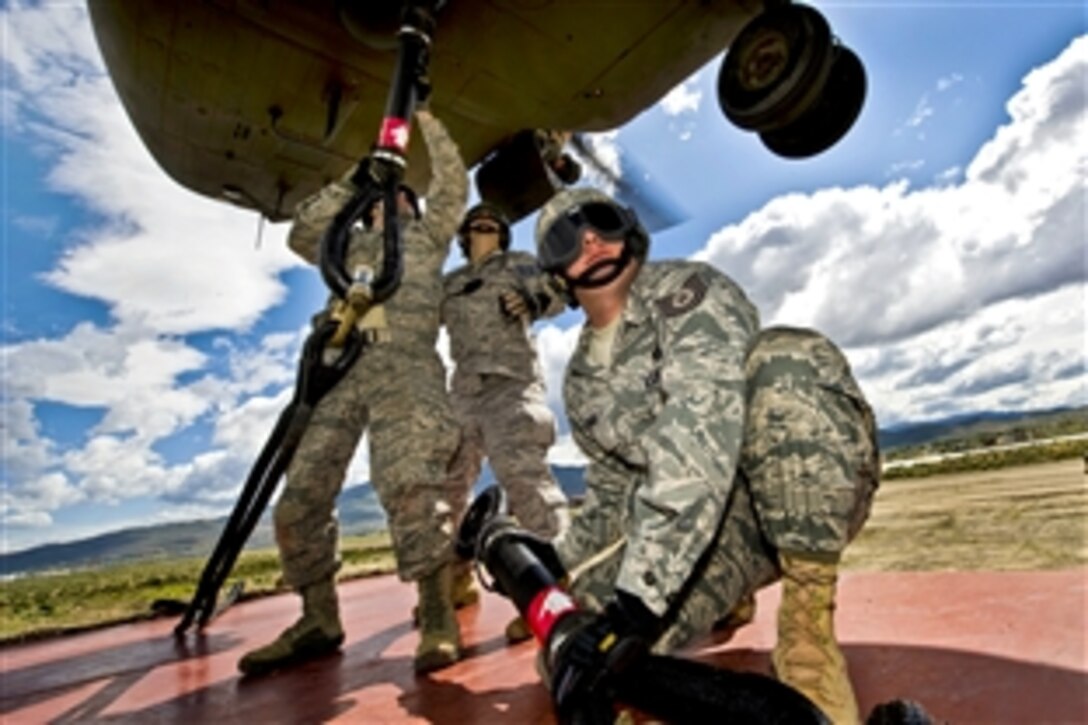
{"points": [[413, 310], [484, 340], [662, 426]]}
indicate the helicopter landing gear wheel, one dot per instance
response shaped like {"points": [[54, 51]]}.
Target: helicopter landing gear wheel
{"points": [[832, 116], [515, 177], [775, 69], [786, 78]]}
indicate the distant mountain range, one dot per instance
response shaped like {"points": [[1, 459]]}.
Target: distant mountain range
{"points": [[971, 424], [361, 513], [358, 508]]}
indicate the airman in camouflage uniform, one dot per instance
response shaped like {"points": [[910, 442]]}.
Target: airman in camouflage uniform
{"points": [[497, 386], [497, 389], [396, 392], [722, 456]]}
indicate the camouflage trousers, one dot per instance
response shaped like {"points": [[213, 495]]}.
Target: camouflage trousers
{"points": [[809, 468], [400, 401], [508, 421]]}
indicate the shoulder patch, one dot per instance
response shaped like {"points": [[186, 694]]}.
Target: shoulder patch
{"points": [[685, 298]]}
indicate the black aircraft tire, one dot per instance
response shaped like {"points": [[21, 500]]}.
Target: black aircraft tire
{"points": [[515, 178], [776, 68], [829, 119]]}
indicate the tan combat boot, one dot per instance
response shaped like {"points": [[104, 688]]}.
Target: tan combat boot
{"points": [[317, 633], [463, 589], [806, 656], [439, 633]]}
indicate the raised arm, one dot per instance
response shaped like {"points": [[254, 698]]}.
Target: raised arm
{"points": [[313, 216], [448, 191]]}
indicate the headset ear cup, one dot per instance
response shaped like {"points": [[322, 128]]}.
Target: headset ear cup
{"points": [[639, 242], [486, 210], [637, 238]]}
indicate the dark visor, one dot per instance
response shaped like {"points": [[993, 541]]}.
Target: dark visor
{"points": [[563, 240]]}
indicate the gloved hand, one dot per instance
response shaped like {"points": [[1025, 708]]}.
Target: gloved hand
{"points": [[599, 648], [373, 172], [516, 304]]}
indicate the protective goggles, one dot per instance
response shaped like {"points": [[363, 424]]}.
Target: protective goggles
{"points": [[562, 242]]}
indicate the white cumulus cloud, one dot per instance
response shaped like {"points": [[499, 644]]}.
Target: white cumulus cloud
{"points": [[684, 98], [894, 270]]}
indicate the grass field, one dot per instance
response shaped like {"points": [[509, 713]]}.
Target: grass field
{"points": [[1026, 517], [49, 604]]}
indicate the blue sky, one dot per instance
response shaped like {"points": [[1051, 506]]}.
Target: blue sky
{"points": [[149, 341]]}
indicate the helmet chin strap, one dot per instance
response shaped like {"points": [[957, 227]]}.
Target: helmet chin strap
{"points": [[615, 267]]}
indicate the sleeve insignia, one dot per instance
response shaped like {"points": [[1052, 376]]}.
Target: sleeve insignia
{"points": [[684, 299]]}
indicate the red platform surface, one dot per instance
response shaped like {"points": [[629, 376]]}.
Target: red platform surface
{"points": [[971, 647]]}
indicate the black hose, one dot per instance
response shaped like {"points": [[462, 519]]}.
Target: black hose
{"points": [[667, 688], [258, 488], [314, 380], [685, 691], [334, 242], [392, 269], [379, 174]]}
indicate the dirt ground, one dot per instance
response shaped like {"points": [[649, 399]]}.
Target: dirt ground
{"points": [[1030, 517]]}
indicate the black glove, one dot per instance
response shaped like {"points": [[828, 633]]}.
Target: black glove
{"points": [[596, 649], [377, 171], [368, 174]]}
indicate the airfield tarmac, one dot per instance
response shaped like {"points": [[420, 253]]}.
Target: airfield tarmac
{"points": [[971, 647]]}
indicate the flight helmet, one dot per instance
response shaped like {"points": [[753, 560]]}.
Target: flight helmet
{"points": [[484, 210], [564, 219]]}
